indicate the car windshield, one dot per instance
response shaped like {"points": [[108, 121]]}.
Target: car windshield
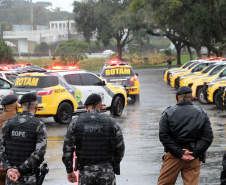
{"points": [[186, 65], [117, 72], [217, 70], [208, 69], [192, 65], [11, 77], [36, 81]]}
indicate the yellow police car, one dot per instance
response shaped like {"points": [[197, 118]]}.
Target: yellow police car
{"points": [[5, 86], [63, 93], [167, 72], [200, 85], [213, 92], [122, 73]]}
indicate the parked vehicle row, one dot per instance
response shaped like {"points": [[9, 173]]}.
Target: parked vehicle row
{"points": [[207, 79], [62, 90]]}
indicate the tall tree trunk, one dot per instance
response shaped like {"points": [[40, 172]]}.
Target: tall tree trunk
{"points": [[119, 48], [190, 53], [198, 51], [178, 56], [208, 53]]}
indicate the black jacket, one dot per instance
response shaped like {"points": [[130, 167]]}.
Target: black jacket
{"points": [[185, 126]]}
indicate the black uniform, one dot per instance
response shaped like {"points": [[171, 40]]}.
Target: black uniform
{"points": [[223, 173], [99, 147], [23, 145]]}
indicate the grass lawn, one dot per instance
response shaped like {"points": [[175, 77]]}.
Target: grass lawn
{"points": [[93, 64]]}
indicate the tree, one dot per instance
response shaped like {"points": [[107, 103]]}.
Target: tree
{"points": [[106, 19], [72, 51], [193, 23], [42, 48], [6, 55]]}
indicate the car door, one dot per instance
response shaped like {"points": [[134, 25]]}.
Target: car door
{"points": [[92, 84], [4, 89], [75, 81]]}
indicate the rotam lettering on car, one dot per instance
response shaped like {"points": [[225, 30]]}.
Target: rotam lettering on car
{"points": [[117, 71], [27, 81]]}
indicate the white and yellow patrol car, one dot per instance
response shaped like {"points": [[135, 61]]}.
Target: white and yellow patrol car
{"points": [[5, 86], [123, 74], [63, 93]]}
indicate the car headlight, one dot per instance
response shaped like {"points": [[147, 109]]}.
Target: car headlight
{"points": [[211, 84]]}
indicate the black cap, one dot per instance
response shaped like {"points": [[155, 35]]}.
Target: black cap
{"points": [[29, 97], [9, 99], [93, 99], [184, 90]]}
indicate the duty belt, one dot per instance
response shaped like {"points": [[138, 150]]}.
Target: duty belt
{"points": [[89, 163]]}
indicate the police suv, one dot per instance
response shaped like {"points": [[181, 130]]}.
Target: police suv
{"points": [[63, 93], [118, 72], [5, 86]]}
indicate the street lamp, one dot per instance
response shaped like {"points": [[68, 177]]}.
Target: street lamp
{"points": [[31, 9]]}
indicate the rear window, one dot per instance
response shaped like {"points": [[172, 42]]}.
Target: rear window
{"points": [[117, 72], [36, 81]]}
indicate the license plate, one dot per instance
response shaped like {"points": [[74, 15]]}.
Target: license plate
{"points": [[120, 83]]}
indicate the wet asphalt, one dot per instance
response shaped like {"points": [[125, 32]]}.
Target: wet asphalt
{"points": [[140, 123]]}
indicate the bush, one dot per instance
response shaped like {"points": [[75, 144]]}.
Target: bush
{"points": [[168, 52]]}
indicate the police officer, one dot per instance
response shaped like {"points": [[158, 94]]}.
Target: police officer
{"points": [[10, 106], [169, 61], [99, 146], [23, 144], [185, 132], [223, 173]]}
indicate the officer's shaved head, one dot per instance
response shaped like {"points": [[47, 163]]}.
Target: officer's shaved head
{"points": [[184, 97], [29, 105], [10, 107]]}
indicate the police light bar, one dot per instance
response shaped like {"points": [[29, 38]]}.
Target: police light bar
{"points": [[64, 67], [115, 62]]}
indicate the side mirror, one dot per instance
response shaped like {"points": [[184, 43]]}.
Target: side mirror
{"points": [[137, 74], [98, 75], [221, 75], [104, 83]]}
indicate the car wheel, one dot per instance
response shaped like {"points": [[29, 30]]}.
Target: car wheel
{"points": [[201, 96], [219, 100], [168, 78], [117, 106], [64, 113], [177, 84]]}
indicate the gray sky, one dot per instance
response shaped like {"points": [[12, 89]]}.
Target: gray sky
{"points": [[64, 4]]}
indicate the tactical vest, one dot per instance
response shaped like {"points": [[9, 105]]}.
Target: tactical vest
{"points": [[94, 138], [21, 138]]}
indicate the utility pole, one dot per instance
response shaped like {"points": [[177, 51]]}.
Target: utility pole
{"points": [[68, 31], [31, 10]]}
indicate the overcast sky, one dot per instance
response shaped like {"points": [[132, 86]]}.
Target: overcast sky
{"points": [[64, 4]]}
